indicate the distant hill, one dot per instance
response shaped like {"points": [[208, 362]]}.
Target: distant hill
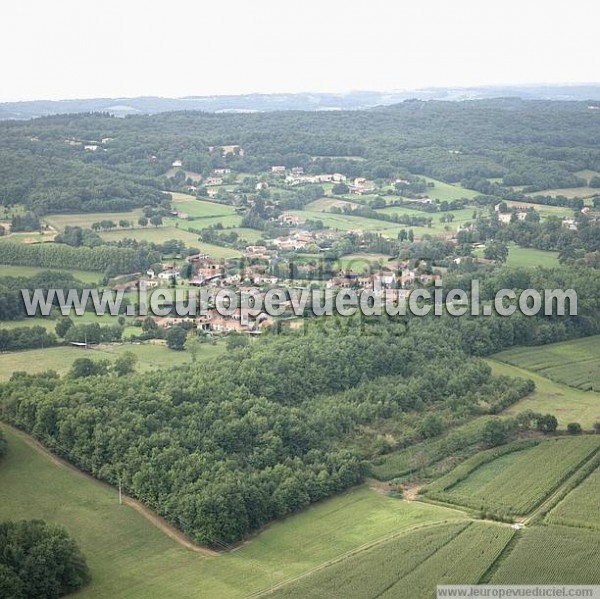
{"points": [[356, 100]]}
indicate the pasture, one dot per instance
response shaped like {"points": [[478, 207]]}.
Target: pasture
{"points": [[151, 234], [516, 482], [566, 403], [574, 363], [344, 222], [446, 191], [408, 566], [530, 257], [203, 208], [86, 219], [568, 192], [60, 359], [85, 276], [130, 558]]}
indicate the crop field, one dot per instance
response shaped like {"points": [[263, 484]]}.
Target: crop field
{"points": [[129, 557], [552, 555], [152, 234], [409, 566], [423, 456], [85, 220], [177, 196], [566, 403], [517, 482], [573, 363], [580, 508], [60, 358]]}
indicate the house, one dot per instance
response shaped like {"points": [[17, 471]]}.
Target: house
{"points": [[177, 164], [90, 147], [278, 169], [504, 217], [570, 224], [222, 171], [338, 178], [297, 170], [169, 274], [150, 273], [262, 185], [290, 219], [214, 181]]}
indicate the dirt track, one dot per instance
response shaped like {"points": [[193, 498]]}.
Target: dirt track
{"points": [[139, 507]]}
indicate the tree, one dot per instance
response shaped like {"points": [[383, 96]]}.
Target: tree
{"points": [[125, 364], [547, 423], [149, 324], [496, 250], [236, 340], [143, 221], [574, 428], [597, 427], [495, 432], [84, 367], [62, 326], [193, 345], [39, 561], [156, 220], [176, 337]]}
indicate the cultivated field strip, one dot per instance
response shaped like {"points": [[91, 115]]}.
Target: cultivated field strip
{"points": [[407, 567], [515, 483]]}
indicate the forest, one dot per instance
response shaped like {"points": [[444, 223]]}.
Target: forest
{"points": [[291, 418], [535, 144]]}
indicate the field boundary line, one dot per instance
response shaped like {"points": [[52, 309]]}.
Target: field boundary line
{"points": [[563, 485], [355, 551], [156, 520]]}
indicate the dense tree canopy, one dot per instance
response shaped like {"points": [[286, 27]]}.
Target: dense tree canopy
{"points": [[39, 561]]}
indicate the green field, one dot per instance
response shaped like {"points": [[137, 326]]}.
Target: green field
{"points": [[445, 191], [566, 403], [203, 208], [573, 363], [517, 482], [580, 508], [526, 257], [149, 356], [85, 220], [552, 555], [131, 559], [32, 237], [568, 192], [530, 257], [344, 222], [152, 234], [543, 210], [409, 566], [85, 276], [362, 262]]}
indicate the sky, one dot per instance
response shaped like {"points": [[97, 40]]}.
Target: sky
{"points": [[91, 48]]}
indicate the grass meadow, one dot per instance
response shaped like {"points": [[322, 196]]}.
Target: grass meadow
{"points": [[130, 558]]}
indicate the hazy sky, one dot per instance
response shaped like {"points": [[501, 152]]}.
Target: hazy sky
{"points": [[89, 48]]}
